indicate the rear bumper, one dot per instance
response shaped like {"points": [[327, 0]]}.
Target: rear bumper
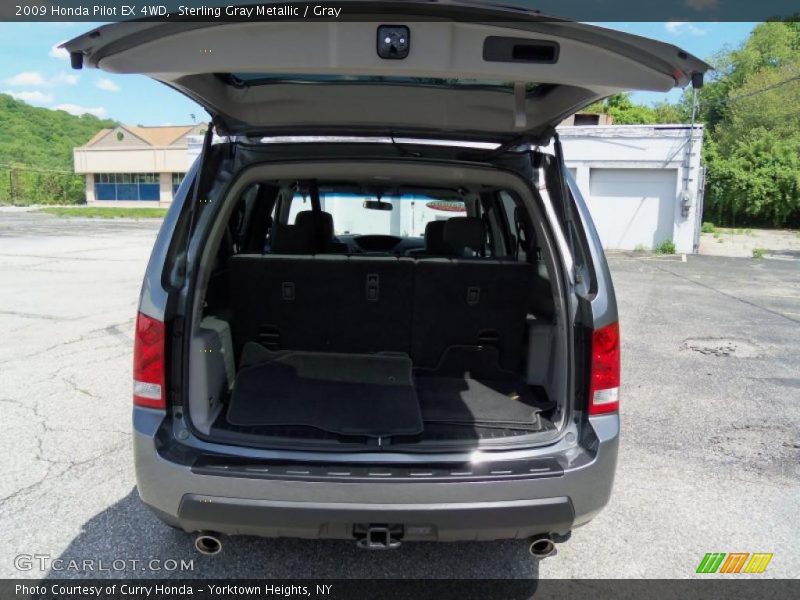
{"points": [[440, 511], [420, 522]]}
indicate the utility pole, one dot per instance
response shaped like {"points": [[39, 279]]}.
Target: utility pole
{"points": [[687, 178], [687, 171]]}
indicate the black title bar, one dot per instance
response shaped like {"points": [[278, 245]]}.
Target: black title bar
{"points": [[393, 589], [576, 10]]}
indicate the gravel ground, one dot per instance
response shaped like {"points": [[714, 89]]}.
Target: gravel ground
{"points": [[709, 451], [773, 243]]}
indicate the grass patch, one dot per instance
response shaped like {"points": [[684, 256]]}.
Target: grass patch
{"points": [[759, 252], [708, 227], [641, 248], [665, 247], [733, 230], [105, 212]]}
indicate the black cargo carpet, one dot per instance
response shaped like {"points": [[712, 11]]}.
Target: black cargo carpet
{"points": [[348, 394], [468, 387], [478, 402]]}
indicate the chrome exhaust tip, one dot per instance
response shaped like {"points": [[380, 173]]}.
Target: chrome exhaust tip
{"points": [[207, 542], [542, 546]]}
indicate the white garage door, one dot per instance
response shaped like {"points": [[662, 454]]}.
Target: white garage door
{"points": [[633, 207]]}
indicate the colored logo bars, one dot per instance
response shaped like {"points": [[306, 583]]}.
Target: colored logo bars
{"points": [[735, 562]]}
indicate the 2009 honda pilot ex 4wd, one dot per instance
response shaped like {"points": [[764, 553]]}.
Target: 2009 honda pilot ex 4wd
{"points": [[378, 308]]}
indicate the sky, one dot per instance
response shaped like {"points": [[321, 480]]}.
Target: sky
{"points": [[35, 71]]}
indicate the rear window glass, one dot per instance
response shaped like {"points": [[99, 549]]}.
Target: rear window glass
{"points": [[361, 214], [251, 79]]}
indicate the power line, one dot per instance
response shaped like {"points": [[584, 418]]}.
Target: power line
{"points": [[754, 92]]}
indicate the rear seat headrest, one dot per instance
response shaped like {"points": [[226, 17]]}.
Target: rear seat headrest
{"points": [[464, 232], [303, 237], [434, 237], [326, 225], [305, 220]]}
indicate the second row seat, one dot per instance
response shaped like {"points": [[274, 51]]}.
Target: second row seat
{"points": [[351, 304]]}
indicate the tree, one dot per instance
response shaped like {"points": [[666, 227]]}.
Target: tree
{"points": [[36, 152], [665, 112], [623, 110], [770, 46], [757, 182], [750, 106], [753, 134], [40, 137], [770, 99]]}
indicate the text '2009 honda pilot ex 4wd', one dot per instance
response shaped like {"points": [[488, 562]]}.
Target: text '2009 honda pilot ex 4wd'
{"points": [[378, 309]]}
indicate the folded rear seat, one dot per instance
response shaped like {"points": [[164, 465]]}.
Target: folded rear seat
{"points": [[469, 301], [323, 303], [354, 304]]}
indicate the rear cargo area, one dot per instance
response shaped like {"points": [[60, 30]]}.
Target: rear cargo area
{"points": [[365, 350], [320, 338], [379, 395]]}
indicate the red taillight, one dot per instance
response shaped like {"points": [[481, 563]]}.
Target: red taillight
{"points": [[148, 363], [604, 387]]}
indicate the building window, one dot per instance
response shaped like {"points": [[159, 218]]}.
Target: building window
{"points": [[177, 178], [126, 186]]}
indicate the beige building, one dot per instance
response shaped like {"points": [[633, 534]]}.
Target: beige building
{"points": [[135, 166], [143, 166]]}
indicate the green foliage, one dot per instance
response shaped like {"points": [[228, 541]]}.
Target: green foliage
{"points": [[664, 112], [771, 45], [625, 112], [759, 252], [105, 212], [757, 180], [41, 137], [708, 227], [22, 186], [775, 109], [36, 152], [665, 247], [752, 146]]}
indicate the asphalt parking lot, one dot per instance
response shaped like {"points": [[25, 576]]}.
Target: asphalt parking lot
{"points": [[709, 458]]}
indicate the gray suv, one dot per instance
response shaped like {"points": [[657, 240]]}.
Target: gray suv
{"points": [[378, 309]]}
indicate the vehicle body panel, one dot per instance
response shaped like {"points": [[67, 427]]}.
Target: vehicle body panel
{"points": [[493, 101], [316, 509], [193, 499]]}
